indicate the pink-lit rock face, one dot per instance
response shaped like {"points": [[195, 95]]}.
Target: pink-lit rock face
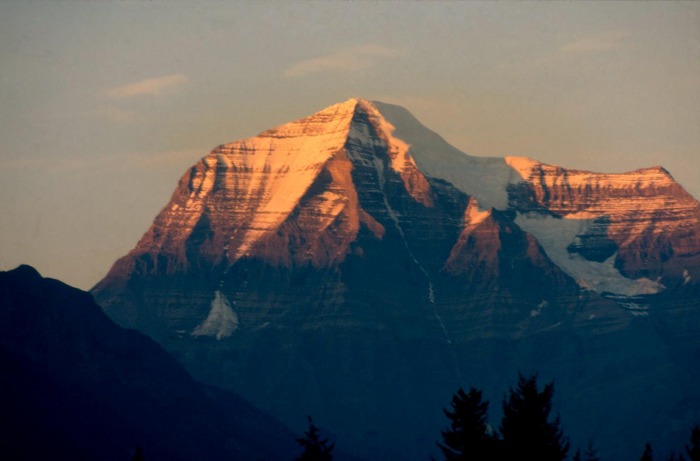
{"points": [[286, 196], [239, 195], [289, 197], [644, 218]]}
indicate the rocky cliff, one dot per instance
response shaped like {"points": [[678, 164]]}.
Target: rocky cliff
{"points": [[643, 218]]}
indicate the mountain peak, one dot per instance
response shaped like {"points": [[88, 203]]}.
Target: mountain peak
{"points": [[27, 271], [302, 192], [281, 194], [24, 273]]}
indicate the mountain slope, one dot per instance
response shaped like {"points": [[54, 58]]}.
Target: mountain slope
{"points": [[77, 386], [353, 261]]}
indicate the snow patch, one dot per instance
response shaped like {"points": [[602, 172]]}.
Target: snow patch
{"points": [[555, 235], [538, 311], [398, 148], [222, 320], [523, 165], [635, 309], [475, 215], [485, 178]]}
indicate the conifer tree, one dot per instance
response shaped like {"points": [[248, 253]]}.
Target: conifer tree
{"points": [[468, 436], [591, 453], [694, 449], [526, 429], [138, 455], [315, 448], [648, 454]]}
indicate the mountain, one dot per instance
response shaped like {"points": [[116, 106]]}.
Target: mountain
{"points": [[354, 266], [76, 386]]}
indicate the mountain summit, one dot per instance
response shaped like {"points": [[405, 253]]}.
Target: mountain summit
{"points": [[352, 261], [290, 197]]}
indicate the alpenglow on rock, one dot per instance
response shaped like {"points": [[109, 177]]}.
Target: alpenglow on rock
{"points": [[354, 266]]}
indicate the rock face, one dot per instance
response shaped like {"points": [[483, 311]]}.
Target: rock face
{"points": [[76, 386], [354, 266], [644, 217]]}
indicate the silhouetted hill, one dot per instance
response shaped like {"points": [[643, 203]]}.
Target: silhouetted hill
{"points": [[76, 386]]}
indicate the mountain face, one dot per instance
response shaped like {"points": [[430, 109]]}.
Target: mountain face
{"points": [[354, 266], [76, 386]]}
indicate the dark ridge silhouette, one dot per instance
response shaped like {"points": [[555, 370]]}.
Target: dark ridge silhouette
{"points": [[76, 386]]}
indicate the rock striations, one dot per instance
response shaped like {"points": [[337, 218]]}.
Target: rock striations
{"points": [[354, 266], [644, 217]]}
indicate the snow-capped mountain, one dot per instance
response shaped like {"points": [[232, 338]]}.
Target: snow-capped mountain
{"points": [[352, 261]]}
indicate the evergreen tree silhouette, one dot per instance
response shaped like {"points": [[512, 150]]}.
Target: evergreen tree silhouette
{"points": [[648, 454], [138, 455], [315, 448], [526, 431], [468, 436], [693, 450], [591, 453]]}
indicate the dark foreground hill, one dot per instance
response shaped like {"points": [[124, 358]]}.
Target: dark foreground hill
{"points": [[76, 386]]}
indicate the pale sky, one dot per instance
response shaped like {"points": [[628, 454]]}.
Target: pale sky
{"points": [[104, 105]]}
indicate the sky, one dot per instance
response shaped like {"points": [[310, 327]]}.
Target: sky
{"points": [[104, 105]]}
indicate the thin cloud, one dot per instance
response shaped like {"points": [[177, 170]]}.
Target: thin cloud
{"points": [[597, 43], [39, 163], [348, 59], [119, 115], [117, 161], [149, 87], [127, 160], [185, 157]]}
